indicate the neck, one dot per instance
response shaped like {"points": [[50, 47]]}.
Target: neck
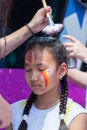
{"points": [[47, 100]]}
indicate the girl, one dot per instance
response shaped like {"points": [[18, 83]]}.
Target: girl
{"points": [[48, 107]]}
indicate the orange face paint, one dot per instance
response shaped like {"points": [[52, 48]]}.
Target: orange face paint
{"points": [[45, 75], [31, 58]]}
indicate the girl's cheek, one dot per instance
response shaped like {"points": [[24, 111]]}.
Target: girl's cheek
{"points": [[45, 77]]}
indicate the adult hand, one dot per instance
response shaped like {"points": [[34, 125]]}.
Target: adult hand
{"points": [[75, 48], [40, 20], [5, 113]]}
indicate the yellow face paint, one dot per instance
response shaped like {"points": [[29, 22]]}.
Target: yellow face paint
{"points": [[45, 75]]}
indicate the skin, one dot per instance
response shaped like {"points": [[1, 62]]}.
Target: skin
{"points": [[77, 50], [36, 82], [18, 37], [79, 123], [43, 101], [77, 76]]}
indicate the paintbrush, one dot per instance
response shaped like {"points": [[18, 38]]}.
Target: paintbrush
{"points": [[52, 28]]}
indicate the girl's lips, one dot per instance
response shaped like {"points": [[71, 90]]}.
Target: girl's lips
{"points": [[35, 86]]}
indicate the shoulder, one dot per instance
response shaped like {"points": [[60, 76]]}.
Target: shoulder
{"points": [[73, 110], [20, 103], [17, 111], [72, 105], [18, 106]]}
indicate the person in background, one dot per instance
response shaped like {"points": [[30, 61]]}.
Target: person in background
{"points": [[77, 50], [12, 41], [48, 107]]}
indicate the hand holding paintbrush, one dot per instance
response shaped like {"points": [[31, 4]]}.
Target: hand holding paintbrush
{"points": [[50, 21], [52, 28]]}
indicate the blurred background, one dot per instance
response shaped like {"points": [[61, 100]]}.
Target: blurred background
{"points": [[73, 15]]}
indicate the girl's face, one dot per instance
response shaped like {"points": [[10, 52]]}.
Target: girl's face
{"points": [[41, 72]]}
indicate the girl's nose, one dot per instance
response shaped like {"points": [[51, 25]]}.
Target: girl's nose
{"points": [[34, 76]]}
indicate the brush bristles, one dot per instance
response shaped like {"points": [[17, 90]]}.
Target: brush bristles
{"points": [[56, 28]]}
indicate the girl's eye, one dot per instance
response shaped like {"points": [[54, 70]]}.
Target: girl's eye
{"points": [[28, 70], [41, 69]]}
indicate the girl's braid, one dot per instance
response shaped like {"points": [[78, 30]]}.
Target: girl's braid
{"points": [[63, 102], [30, 101]]}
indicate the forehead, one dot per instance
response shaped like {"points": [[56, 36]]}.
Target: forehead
{"points": [[36, 54]]}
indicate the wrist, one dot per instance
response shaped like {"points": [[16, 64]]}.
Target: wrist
{"points": [[30, 29], [32, 26], [85, 55]]}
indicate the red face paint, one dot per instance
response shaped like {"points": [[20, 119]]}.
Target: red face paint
{"points": [[31, 58], [45, 75], [26, 64]]}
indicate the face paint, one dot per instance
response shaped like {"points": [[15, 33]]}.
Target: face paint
{"points": [[27, 65], [31, 58], [45, 75]]}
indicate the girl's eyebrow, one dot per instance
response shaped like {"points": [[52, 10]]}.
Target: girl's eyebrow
{"points": [[27, 64], [41, 64], [37, 64]]}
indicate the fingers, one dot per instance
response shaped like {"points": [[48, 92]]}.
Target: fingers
{"points": [[69, 49], [45, 10], [71, 54], [69, 44], [48, 9], [72, 39]]}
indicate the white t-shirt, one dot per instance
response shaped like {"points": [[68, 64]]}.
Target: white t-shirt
{"points": [[44, 119]]}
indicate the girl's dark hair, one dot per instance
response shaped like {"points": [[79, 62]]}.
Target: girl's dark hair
{"points": [[58, 50]]}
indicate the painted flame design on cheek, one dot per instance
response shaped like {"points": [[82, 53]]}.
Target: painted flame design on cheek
{"points": [[46, 78]]}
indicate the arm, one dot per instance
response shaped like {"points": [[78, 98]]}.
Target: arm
{"points": [[15, 39], [76, 48], [77, 76], [79, 123]]}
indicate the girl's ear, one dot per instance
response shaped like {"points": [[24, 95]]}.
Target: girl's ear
{"points": [[62, 70]]}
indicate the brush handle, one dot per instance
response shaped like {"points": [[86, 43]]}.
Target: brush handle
{"points": [[45, 5], [50, 21]]}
